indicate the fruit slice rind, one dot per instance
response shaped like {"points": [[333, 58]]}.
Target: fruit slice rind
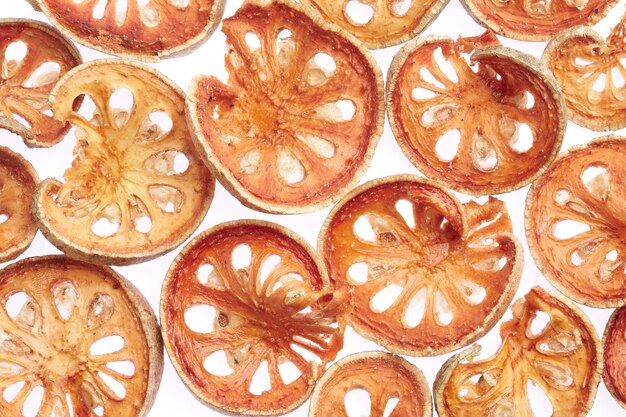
{"points": [[565, 280], [546, 141], [614, 340], [465, 221], [407, 373], [202, 88]]}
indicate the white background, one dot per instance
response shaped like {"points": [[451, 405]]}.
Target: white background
{"points": [[173, 398]]}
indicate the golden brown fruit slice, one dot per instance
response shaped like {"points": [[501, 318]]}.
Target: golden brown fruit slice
{"points": [[79, 335], [614, 343], [141, 29], [562, 358], [137, 187], [483, 125], [591, 75], [536, 20], [380, 23], [575, 223], [427, 274], [18, 181], [298, 123], [33, 57], [395, 387], [248, 300]]}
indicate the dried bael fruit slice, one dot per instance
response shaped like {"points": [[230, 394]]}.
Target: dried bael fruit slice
{"points": [[137, 187], [549, 345], [33, 57], [483, 125], [141, 29], [393, 386], [249, 319], [591, 75], [18, 181], [427, 274], [614, 343], [298, 123], [77, 336], [536, 20], [576, 222], [380, 23]]}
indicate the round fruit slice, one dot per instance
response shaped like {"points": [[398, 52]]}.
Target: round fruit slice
{"points": [[77, 336], [549, 345], [141, 29], [591, 75], [394, 388], [483, 125], [614, 342], [33, 57], [536, 20], [427, 275], [18, 181], [298, 123], [249, 319], [575, 222], [137, 187], [380, 23]]}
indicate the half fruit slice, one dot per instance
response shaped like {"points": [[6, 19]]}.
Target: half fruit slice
{"points": [[576, 222], [380, 23], [614, 343], [137, 187], [591, 75], [249, 318], [298, 123], [79, 337], [18, 181], [484, 124], [141, 29], [426, 274], [33, 57], [376, 383], [549, 345]]}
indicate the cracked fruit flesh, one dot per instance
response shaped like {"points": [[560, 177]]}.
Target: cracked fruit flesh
{"points": [[614, 343], [18, 181], [298, 122], [380, 23], [484, 124], [266, 314], [393, 386], [426, 274], [549, 345], [33, 57], [576, 223], [591, 74], [537, 20], [141, 29], [137, 187], [78, 336]]}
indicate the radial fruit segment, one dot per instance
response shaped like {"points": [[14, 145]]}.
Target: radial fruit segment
{"points": [[137, 187], [140, 29], [376, 383], [18, 181], [486, 124], [591, 74], [537, 20], [299, 120], [33, 57], [426, 274], [614, 353], [75, 340], [576, 223], [249, 318], [549, 345], [380, 23]]}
